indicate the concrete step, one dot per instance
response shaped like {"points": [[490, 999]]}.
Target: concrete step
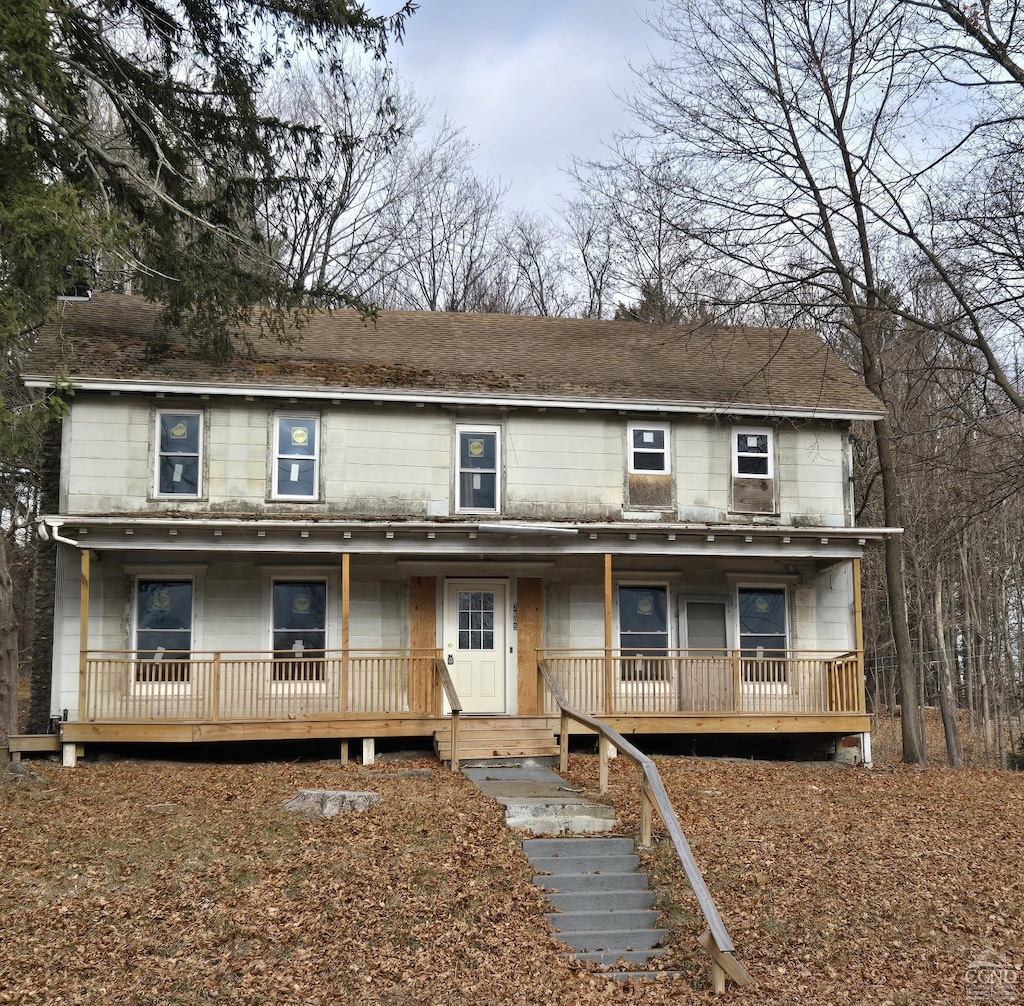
{"points": [[570, 883], [607, 918], [611, 939], [549, 847], [625, 956], [604, 911], [600, 901], [585, 864]]}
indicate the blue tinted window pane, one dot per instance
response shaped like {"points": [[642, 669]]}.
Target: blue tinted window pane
{"points": [[295, 478], [296, 437], [179, 433], [478, 450], [179, 475], [478, 490]]}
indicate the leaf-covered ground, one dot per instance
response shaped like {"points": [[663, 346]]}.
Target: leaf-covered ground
{"points": [[179, 883]]}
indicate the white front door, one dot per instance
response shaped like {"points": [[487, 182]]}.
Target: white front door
{"points": [[475, 613]]}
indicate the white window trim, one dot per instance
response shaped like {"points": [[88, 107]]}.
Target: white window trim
{"points": [[460, 429], [631, 451], [158, 453], [737, 431], [275, 457], [196, 575]]}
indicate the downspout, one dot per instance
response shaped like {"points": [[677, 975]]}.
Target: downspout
{"points": [[49, 528]]}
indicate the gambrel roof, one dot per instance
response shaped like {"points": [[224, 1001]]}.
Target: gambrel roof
{"points": [[483, 358]]}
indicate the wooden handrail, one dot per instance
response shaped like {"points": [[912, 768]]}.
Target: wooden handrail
{"points": [[456, 706], [716, 939]]}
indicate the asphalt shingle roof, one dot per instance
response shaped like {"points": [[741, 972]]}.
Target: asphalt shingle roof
{"points": [[473, 354]]}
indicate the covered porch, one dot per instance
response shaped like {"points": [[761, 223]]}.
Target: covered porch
{"points": [[553, 600]]}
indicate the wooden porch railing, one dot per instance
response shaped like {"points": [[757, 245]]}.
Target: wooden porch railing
{"points": [[213, 686], [620, 682], [455, 706], [715, 939]]}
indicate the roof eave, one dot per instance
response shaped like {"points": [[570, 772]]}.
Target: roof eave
{"points": [[450, 398]]}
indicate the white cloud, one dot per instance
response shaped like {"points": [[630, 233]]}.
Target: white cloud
{"points": [[530, 93]]}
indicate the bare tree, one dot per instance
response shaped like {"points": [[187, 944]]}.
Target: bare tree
{"points": [[786, 118]]}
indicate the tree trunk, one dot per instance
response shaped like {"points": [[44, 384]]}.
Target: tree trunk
{"points": [[896, 587], [947, 695], [8, 651], [46, 586]]}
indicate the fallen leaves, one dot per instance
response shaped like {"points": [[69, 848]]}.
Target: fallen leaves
{"points": [[135, 882]]}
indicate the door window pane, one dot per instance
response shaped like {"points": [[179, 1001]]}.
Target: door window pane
{"points": [[705, 625], [476, 620]]}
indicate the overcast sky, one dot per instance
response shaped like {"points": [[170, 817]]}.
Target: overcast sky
{"points": [[532, 81]]}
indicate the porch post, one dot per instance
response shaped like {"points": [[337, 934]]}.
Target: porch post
{"points": [[345, 610], [83, 632], [608, 677], [858, 636]]}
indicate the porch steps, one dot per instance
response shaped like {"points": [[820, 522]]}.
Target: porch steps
{"points": [[486, 737], [603, 911]]}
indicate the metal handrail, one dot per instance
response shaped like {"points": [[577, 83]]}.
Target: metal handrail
{"points": [[456, 707], [716, 939]]}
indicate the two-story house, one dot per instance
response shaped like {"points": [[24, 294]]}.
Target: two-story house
{"points": [[304, 542]]}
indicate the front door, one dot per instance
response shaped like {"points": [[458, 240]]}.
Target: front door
{"points": [[474, 642]]}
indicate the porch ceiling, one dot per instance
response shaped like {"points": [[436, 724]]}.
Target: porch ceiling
{"points": [[486, 540]]}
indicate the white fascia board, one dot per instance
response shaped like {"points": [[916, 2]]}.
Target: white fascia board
{"points": [[463, 398]]}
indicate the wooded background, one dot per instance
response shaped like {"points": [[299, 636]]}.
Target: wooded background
{"points": [[852, 167]]}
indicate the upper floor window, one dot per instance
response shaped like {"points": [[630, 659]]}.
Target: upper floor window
{"points": [[752, 453], [648, 448], [296, 456], [479, 464], [179, 437]]}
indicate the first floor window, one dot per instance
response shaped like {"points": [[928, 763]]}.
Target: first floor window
{"points": [[478, 468], [299, 629], [179, 437], [648, 449], [752, 454], [763, 633], [163, 630], [643, 632], [296, 457]]}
